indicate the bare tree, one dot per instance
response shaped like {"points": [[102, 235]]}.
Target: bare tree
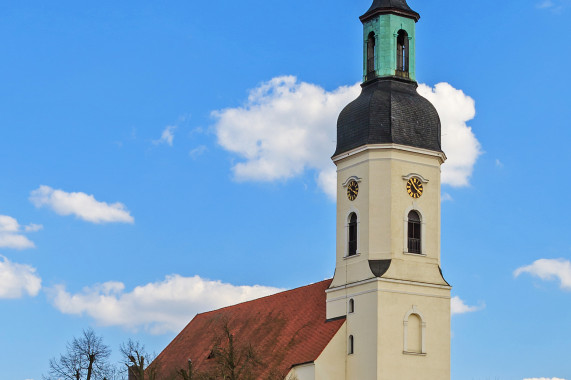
{"points": [[190, 373], [235, 360], [232, 359], [85, 359], [139, 363]]}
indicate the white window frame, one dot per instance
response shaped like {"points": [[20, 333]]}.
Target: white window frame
{"points": [[352, 210], [415, 207]]}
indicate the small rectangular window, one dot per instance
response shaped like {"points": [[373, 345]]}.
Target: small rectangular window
{"points": [[351, 348]]}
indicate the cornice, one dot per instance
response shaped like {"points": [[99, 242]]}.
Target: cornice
{"points": [[405, 148], [382, 279]]}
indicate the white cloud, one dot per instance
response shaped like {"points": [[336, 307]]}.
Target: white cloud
{"points": [[549, 269], [15, 241], [11, 233], [458, 306], [499, 163], [458, 140], [167, 136], [157, 307], [545, 4], [8, 224], [287, 127], [33, 227], [327, 181], [17, 279], [543, 378], [198, 151], [81, 205], [556, 6], [445, 197]]}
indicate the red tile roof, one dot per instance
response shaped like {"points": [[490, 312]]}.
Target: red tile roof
{"points": [[284, 329]]}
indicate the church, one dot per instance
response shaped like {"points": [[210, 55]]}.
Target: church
{"points": [[385, 314]]}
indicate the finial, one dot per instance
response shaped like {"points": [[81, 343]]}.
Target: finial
{"points": [[398, 7]]}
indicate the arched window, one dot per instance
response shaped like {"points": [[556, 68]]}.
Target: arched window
{"points": [[371, 53], [351, 345], [352, 235], [402, 53], [414, 230], [351, 306], [414, 332]]}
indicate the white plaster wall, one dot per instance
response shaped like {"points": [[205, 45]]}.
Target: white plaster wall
{"points": [[395, 300], [383, 205], [302, 372], [378, 328], [411, 281], [331, 364]]}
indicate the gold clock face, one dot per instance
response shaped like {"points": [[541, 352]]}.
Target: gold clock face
{"points": [[414, 187], [352, 190]]}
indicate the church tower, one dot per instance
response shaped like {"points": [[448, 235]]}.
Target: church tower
{"points": [[388, 282]]}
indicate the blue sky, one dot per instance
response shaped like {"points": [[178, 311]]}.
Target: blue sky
{"points": [[146, 177]]}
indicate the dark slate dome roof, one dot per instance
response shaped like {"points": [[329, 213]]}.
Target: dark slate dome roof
{"points": [[388, 111], [390, 6]]}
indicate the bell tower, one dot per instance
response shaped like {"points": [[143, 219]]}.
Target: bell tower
{"points": [[388, 281]]}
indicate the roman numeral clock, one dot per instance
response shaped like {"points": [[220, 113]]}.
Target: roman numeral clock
{"points": [[352, 190], [414, 187]]}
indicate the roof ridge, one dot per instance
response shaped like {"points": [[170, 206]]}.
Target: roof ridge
{"points": [[264, 297]]}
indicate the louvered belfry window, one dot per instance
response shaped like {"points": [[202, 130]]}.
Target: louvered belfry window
{"points": [[414, 232], [352, 235], [371, 50], [402, 54]]}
